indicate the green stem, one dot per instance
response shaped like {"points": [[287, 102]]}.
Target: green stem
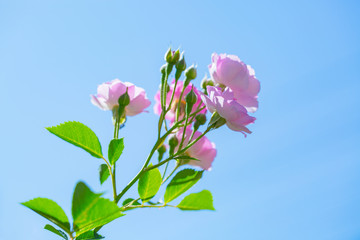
{"points": [[172, 97], [147, 206], [193, 142], [177, 166], [166, 167], [179, 103], [113, 180], [112, 177], [184, 131], [161, 119], [112, 171], [144, 167], [192, 135], [178, 153]]}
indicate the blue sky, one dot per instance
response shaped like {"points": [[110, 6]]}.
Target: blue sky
{"points": [[296, 177]]}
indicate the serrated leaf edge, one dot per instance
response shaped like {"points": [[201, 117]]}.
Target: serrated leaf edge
{"points": [[176, 196], [51, 218], [95, 154]]}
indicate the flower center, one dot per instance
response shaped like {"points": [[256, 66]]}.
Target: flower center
{"points": [[174, 106]]}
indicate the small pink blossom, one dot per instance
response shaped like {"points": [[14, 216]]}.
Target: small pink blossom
{"points": [[231, 72], [108, 94], [172, 112], [203, 150], [227, 107]]}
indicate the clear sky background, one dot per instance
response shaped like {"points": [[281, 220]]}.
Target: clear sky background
{"points": [[296, 177]]}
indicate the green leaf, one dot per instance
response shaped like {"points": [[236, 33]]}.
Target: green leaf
{"points": [[56, 231], [197, 201], [79, 135], [49, 210], [104, 173], [89, 235], [149, 184], [182, 181], [89, 210], [129, 200], [116, 148]]}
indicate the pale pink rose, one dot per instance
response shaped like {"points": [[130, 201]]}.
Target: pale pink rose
{"points": [[108, 94], [224, 103], [203, 150], [172, 112], [231, 72]]}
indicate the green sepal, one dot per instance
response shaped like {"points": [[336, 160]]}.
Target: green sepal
{"points": [[79, 135], [89, 210], [149, 184], [182, 182], [56, 231], [116, 148], [49, 210], [103, 173], [197, 201]]}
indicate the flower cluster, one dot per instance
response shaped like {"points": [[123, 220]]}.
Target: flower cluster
{"points": [[176, 90], [230, 94]]}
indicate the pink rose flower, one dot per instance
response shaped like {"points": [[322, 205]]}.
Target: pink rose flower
{"points": [[108, 94], [172, 112], [203, 150], [227, 107], [231, 72]]}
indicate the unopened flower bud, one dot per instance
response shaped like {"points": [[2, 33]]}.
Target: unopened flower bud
{"points": [[199, 120], [173, 142], [163, 68], [181, 65], [161, 150], [176, 56], [190, 101], [191, 98], [191, 72], [168, 56]]}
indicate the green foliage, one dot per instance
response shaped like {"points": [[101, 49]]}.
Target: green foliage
{"points": [[79, 135], [89, 235], [49, 210], [89, 210], [197, 201], [149, 184], [104, 173], [56, 231], [116, 148], [182, 181], [129, 200]]}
